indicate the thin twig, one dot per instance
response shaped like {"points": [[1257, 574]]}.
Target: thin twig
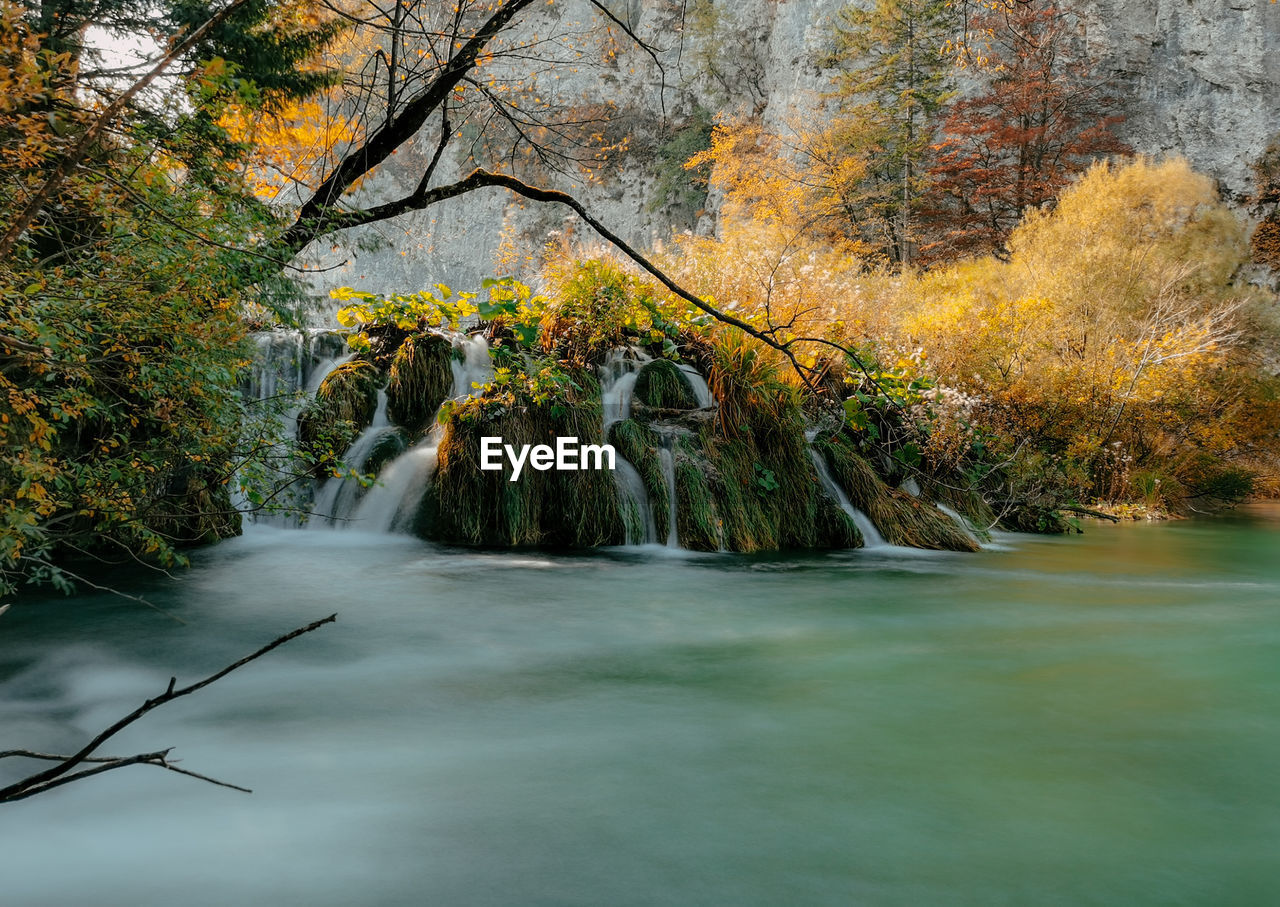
{"points": [[58, 775]]}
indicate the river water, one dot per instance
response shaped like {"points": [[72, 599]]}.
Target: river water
{"points": [[1085, 720]]}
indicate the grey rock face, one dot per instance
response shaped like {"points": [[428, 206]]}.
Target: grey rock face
{"points": [[1197, 77]]}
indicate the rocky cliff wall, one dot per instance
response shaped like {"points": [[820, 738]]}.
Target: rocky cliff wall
{"points": [[1197, 77]]}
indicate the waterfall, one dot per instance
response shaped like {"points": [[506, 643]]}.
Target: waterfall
{"points": [[391, 504], [287, 369], [339, 495], [617, 384], [278, 364], [322, 370], [289, 362], [871, 537], [475, 367], [669, 473], [701, 390], [960, 521], [636, 499]]}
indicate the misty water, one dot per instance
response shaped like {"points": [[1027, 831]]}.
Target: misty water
{"points": [[1084, 720]]}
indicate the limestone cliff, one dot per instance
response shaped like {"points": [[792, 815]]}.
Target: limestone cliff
{"points": [[1197, 77]]}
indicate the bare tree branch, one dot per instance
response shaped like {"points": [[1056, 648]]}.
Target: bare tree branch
{"points": [[316, 214], [61, 773]]}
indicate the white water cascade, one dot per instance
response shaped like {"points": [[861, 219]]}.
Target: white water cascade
{"points": [[287, 369], [669, 473], [617, 385], [960, 521], [391, 504], [701, 390], [871, 537], [339, 495]]}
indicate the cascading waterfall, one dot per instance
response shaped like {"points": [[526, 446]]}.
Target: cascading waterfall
{"points": [[965, 526], [278, 364], [701, 390], [669, 473], [871, 537], [617, 384], [288, 362], [618, 377], [339, 495], [666, 456], [287, 369], [392, 503]]}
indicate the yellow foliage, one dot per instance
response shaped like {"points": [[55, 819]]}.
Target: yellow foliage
{"points": [[1114, 332], [293, 146], [803, 182]]}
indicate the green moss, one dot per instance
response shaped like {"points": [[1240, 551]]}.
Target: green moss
{"points": [[697, 517], [661, 384], [470, 506], [901, 518], [746, 527], [851, 472], [421, 378], [966, 501], [834, 527], [343, 407], [909, 521], [349, 393], [638, 444]]}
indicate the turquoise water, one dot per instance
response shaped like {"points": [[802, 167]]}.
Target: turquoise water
{"points": [[1085, 720]]}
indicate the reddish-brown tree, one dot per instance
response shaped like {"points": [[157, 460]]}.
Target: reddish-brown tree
{"points": [[1266, 238], [1043, 118]]}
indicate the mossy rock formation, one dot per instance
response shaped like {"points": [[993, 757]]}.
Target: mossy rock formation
{"points": [[733, 494], [662, 385], [901, 518], [343, 407], [469, 506], [638, 444], [420, 379], [742, 474]]}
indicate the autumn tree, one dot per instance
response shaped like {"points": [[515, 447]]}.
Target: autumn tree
{"points": [[1115, 350], [895, 77], [1042, 118], [1266, 198], [128, 258]]}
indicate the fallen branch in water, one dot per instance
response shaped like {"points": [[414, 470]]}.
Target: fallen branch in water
{"points": [[1087, 512], [57, 775]]}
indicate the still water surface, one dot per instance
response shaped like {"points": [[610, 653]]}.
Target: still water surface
{"points": [[1092, 720]]}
